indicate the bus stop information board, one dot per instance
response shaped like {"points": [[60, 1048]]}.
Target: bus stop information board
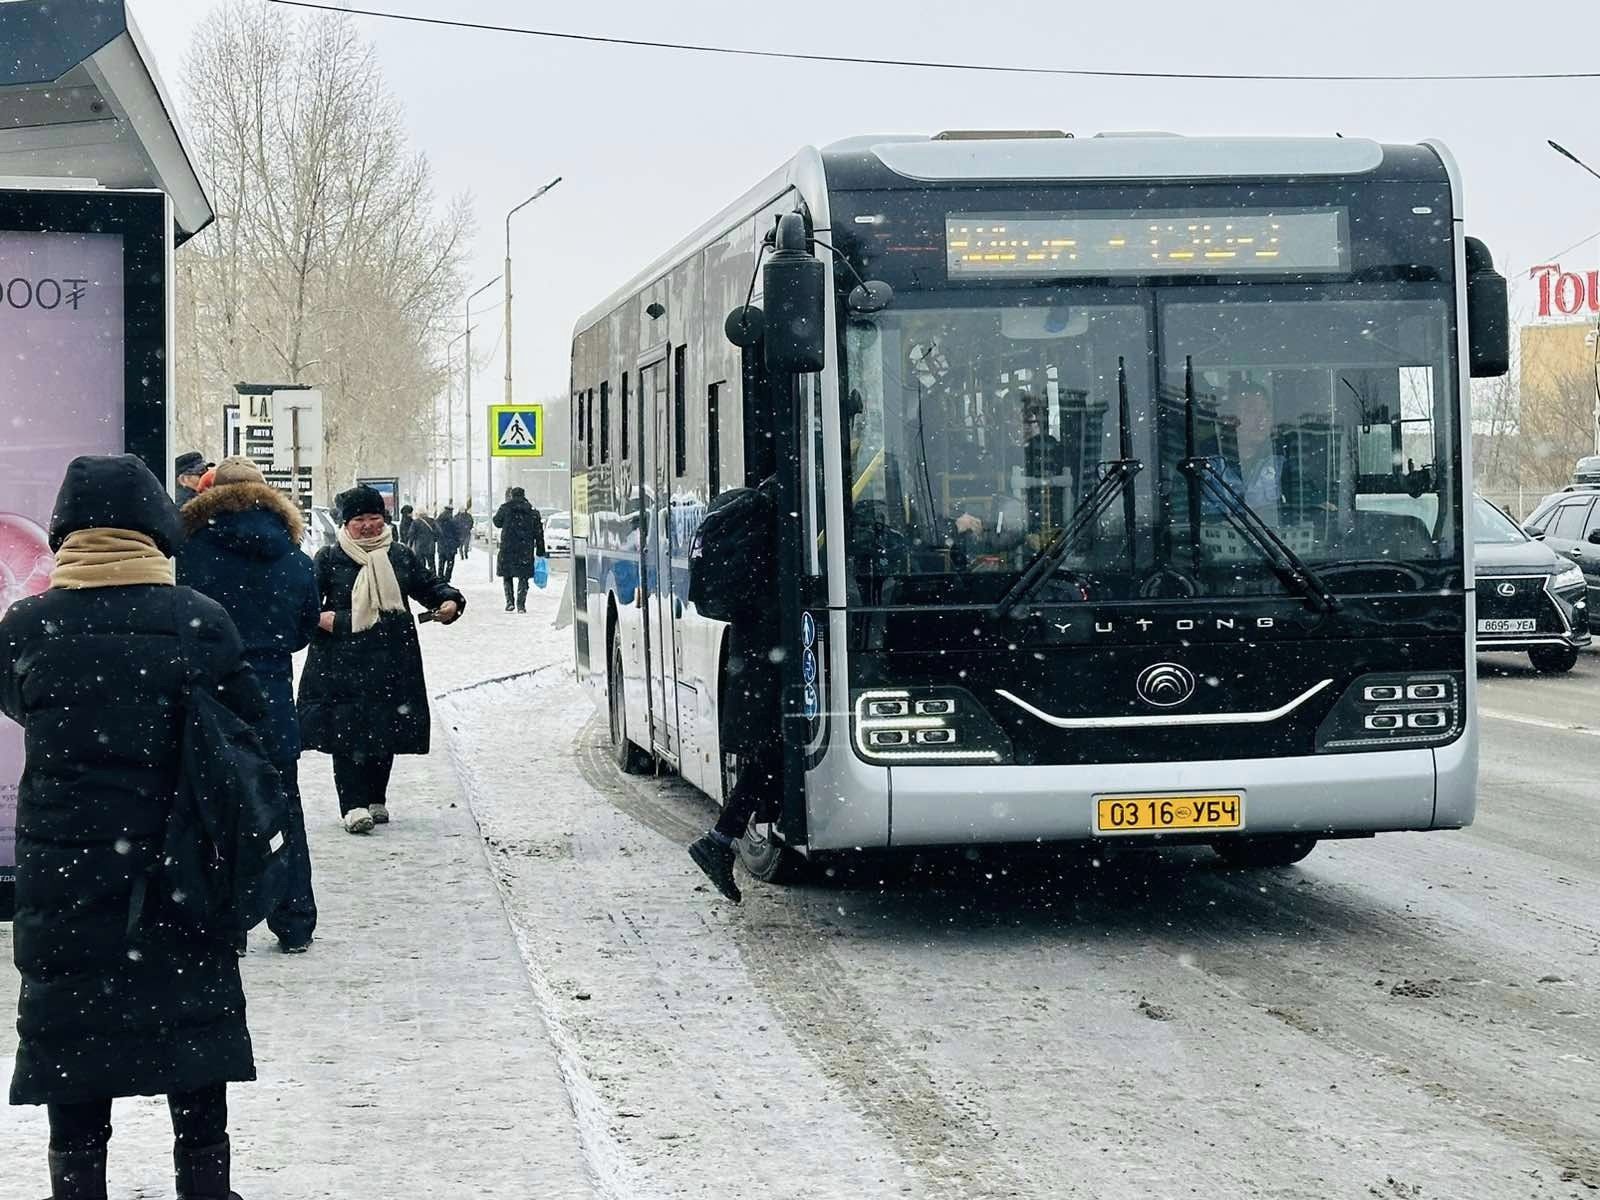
{"points": [[516, 430]]}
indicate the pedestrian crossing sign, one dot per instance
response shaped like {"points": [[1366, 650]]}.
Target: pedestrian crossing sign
{"points": [[516, 430]]}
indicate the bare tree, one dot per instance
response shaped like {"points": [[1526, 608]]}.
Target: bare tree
{"points": [[330, 263]]}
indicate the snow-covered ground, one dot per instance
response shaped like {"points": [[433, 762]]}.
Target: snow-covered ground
{"points": [[1411, 1016], [1414, 1016]]}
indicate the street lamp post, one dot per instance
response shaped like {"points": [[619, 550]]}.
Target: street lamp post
{"points": [[1568, 154], [470, 299], [449, 421], [506, 275]]}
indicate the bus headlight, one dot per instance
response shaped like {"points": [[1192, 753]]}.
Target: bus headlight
{"points": [[926, 725], [1389, 711]]}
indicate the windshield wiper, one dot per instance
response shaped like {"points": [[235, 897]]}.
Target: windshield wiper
{"points": [[1114, 480], [1204, 477]]}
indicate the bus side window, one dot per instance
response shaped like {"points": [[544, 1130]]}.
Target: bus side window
{"points": [[622, 399], [713, 440], [680, 413], [605, 420], [588, 426]]}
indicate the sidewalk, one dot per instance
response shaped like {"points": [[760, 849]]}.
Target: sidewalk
{"points": [[405, 1055]]}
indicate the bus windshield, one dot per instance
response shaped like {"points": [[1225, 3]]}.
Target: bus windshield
{"points": [[977, 429]]}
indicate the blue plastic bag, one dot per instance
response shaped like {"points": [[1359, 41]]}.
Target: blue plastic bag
{"points": [[541, 571]]}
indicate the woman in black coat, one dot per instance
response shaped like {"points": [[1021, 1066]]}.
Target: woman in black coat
{"points": [[243, 550], [363, 698], [113, 1006], [521, 539]]}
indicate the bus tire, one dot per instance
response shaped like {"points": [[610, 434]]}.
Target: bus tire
{"points": [[768, 859], [1260, 852], [1553, 660], [630, 759]]}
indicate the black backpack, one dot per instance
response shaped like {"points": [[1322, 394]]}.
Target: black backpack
{"points": [[224, 858], [732, 557]]}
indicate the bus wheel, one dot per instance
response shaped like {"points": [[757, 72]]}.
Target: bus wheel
{"points": [[1258, 852], [1553, 660], [768, 859], [630, 758]]}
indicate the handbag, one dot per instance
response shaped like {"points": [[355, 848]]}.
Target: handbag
{"points": [[224, 859], [541, 571]]}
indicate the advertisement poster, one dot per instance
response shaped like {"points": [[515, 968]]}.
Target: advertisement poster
{"points": [[62, 372]]}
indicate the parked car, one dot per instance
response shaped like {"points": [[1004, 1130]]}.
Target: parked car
{"points": [[1569, 523], [1529, 597], [558, 533], [321, 530]]}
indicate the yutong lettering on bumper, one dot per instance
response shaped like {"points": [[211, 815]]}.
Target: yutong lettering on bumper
{"points": [[1129, 490]]}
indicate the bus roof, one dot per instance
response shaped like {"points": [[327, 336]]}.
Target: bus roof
{"points": [[913, 159]]}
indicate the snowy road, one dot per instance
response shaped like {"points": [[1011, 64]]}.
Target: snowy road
{"points": [[1414, 1016]]}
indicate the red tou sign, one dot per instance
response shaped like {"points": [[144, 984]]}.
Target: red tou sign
{"points": [[1566, 293]]}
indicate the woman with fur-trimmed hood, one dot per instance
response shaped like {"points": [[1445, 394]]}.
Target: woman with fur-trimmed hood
{"points": [[243, 550]]}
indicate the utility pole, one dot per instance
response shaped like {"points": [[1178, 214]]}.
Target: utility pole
{"points": [[468, 336], [1595, 416]]}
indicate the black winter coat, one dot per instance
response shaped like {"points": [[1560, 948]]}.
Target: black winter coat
{"points": [[243, 550], [364, 693], [94, 678], [521, 538], [424, 538], [449, 533]]}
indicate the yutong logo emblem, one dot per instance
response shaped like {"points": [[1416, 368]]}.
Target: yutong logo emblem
{"points": [[1507, 589], [1165, 685]]}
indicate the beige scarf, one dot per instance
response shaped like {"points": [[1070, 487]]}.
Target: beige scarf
{"points": [[100, 558], [376, 589]]}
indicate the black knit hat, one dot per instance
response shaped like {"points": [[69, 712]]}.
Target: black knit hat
{"points": [[360, 501], [114, 492]]}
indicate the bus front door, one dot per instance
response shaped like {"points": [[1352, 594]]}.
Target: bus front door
{"points": [[660, 629]]}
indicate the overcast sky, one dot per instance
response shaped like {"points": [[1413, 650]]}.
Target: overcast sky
{"points": [[650, 143]]}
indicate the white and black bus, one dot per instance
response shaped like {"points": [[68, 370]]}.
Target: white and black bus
{"points": [[1127, 477]]}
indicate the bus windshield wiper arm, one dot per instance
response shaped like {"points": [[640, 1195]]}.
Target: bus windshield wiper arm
{"points": [[1204, 477], [1118, 475]]}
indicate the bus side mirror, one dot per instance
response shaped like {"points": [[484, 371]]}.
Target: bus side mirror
{"points": [[1488, 315], [794, 291]]}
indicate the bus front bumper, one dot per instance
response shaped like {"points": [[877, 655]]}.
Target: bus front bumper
{"points": [[1350, 794]]}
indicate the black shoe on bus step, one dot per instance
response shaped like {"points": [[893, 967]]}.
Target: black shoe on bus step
{"points": [[716, 860]]}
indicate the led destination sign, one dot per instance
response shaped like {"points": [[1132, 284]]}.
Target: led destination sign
{"points": [[994, 245]]}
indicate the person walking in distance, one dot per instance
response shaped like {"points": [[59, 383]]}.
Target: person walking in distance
{"points": [[363, 697], [406, 521], [243, 551], [464, 523], [424, 542], [521, 541], [449, 542], [750, 714], [120, 996], [187, 470]]}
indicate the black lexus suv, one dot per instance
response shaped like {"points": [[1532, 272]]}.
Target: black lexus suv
{"points": [[1529, 597]]}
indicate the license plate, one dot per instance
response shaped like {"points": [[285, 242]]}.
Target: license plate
{"points": [[1167, 814], [1507, 625]]}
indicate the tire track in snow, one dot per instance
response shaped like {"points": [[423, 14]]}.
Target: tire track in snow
{"points": [[821, 1010]]}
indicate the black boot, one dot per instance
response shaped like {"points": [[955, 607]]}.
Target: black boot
{"points": [[203, 1173], [79, 1176], [716, 860]]}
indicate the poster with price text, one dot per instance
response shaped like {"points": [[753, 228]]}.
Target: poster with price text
{"points": [[62, 375]]}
